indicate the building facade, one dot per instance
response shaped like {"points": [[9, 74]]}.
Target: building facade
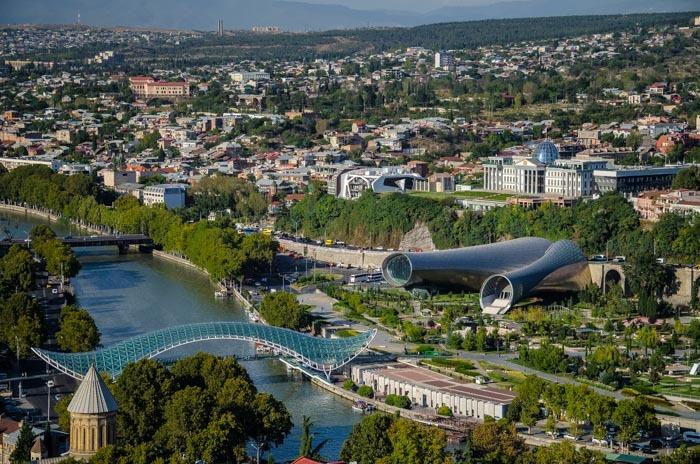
{"points": [[444, 60], [632, 181], [429, 389], [93, 415], [171, 195], [149, 87], [245, 76], [113, 178], [14, 163], [351, 184]]}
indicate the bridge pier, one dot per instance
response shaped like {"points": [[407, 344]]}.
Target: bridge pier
{"points": [[123, 248]]}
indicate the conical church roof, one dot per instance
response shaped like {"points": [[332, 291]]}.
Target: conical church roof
{"points": [[92, 396]]}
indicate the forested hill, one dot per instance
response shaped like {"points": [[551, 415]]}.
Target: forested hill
{"points": [[456, 35], [501, 31]]}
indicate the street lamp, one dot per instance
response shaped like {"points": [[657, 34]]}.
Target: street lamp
{"points": [[49, 384]]}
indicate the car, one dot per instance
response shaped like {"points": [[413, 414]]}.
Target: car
{"points": [[569, 436], [600, 441], [691, 437], [655, 443], [599, 258], [619, 259]]}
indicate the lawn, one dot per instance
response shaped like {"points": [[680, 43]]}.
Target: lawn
{"points": [[475, 194]]}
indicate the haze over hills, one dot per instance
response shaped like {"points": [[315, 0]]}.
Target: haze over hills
{"points": [[299, 16]]}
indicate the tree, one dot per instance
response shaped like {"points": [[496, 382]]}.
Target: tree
{"points": [[687, 179], [415, 443], [61, 409], [270, 423], [399, 401], [23, 323], [648, 279], [282, 309], [366, 391], [496, 442], [369, 440], [682, 455], [307, 448], [529, 393], [481, 339], [140, 392], [634, 417], [567, 453], [648, 337], [23, 447], [16, 271], [222, 441], [78, 331], [187, 413]]}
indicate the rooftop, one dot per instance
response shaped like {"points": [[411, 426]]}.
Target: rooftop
{"points": [[92, 396], [443, 383]]}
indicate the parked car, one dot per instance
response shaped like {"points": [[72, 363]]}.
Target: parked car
{"points": [[569, 436], [691, 437], [600, 441], [619, 259], [599, 258]]}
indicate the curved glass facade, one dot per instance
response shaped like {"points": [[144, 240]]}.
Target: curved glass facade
{"points": [[398, 270], [321, 354], [502, 272]]}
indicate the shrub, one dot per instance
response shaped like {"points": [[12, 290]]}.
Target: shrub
{"points": [[403, 402], [444, 411], [349, 385], [366, 391]]}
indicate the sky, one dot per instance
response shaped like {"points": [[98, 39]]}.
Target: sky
{"points": [[420, 6]]}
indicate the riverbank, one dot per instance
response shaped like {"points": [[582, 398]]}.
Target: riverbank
{"points": [[48, 215]]}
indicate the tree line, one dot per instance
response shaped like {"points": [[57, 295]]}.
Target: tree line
{"points": [[608, 223], [215, 246]]}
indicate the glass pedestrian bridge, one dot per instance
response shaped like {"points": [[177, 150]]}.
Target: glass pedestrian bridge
{"points": [[321, 354]]}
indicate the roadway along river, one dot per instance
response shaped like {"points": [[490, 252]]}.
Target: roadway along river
{"points": [[136, 293]]}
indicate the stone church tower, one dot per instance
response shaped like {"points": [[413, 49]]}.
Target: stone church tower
{"points": [[93, 412]]}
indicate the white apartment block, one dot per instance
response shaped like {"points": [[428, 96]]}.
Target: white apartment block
{"points": [[245, 76], [172, 195], [14, 163]]}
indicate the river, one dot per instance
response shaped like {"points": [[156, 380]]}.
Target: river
{"points": [[136, 293]]}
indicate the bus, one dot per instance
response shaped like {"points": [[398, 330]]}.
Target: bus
{"points": [[328, 242], [368, 277], [267, 231]]}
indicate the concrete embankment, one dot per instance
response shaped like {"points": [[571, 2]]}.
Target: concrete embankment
{"points": [[50, 216], [179, 260], [363, 259]]}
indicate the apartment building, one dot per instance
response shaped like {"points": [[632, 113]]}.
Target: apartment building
{"points": [[149, 87], [171, 195]]}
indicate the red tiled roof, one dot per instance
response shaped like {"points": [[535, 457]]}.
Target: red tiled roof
{"points": [[305, 460], [8, 425]]}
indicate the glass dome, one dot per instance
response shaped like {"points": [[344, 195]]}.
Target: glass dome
{"points": [[547, 152]]}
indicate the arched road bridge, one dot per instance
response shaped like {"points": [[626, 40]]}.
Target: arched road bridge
{"points": [[321, 354], [122, 241]]}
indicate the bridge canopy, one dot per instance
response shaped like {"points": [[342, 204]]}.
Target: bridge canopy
{"points": [[320, 354]]}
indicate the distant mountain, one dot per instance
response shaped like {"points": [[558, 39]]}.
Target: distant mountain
{"points": [[535, 8], [297, 16]]}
